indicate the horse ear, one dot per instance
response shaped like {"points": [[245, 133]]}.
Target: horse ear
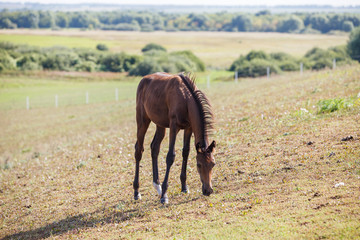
{"points": [[198, 148], [211, 147]]}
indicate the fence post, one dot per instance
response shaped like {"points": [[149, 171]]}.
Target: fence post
{"points": [[334, 63], [208, 81], [301, 68], [56, 101], [116, 94], [87, 98], [236, 76], [268, 72], [27, 103]]}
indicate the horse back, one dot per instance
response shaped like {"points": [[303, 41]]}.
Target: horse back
{"points": [[162, 96]]}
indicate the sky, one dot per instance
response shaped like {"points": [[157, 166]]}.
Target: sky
{"points": [[206, 2]]}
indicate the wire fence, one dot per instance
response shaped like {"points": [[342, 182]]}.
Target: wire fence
{"points": [[73, 97], [68, 98]]}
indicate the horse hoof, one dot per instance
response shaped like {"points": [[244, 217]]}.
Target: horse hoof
{"points": [[164, 200], [137, 196], [185, 190]]}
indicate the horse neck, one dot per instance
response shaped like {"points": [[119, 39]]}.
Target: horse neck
{"points": [[197, 125]]}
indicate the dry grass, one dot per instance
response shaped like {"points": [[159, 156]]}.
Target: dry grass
{"points": [[277, 168], [216, 49]]}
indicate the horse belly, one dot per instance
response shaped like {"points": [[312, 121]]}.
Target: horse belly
{"points": [[158, 113]]}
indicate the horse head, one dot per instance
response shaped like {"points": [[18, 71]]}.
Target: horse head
{"points": [[205, 163]]}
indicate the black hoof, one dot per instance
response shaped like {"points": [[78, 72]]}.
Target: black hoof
{"points": [[137, 196]]}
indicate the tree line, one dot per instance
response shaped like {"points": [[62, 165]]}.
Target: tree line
{"points": [[262, 21]]}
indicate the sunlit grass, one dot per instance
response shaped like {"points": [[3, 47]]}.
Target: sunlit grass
{"points": [[67, 172]]}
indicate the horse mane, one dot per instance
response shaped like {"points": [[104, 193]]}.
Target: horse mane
{"points": [[203, 104]]}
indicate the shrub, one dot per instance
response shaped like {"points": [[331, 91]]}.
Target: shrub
{"points": [[63, 61], [199, 65], [321, 58], [30, 62], [353, 45], [153, 46], [256, 68], [145, 67], [289, 65], [6, 61], [86, 66], [157, 60], [256, 55], [102, 47], [118, 62]]}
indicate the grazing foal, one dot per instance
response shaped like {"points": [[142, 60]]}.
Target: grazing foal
{"points": [[174, 102]]}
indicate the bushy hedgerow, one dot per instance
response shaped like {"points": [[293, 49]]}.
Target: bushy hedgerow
{"points": [[318, 58], [256, 68], [156, 59], [255, 63], [22, 57]]}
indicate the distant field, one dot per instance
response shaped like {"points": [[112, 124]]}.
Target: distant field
{"points": [[282, 170], [216, 49]]}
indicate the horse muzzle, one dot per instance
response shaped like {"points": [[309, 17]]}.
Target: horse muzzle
{"points": [[207, 191]]}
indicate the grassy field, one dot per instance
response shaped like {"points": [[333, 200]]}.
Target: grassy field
{"points": [[282, 172], [216, 49]]}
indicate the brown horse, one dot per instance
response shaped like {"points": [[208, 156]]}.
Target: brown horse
{"points": [[174, 102]]}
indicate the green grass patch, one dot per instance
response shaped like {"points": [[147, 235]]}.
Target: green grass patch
{"points": [[335, 104], [50, 41]]}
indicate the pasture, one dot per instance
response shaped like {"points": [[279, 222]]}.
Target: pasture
{"points": [[216, 49], [284, 171]]}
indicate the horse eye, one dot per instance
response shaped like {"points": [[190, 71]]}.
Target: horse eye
{"points": [[199, 165]]}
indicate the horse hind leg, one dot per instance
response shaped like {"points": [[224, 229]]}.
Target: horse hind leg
{"points": [[170, 157], [155, 148], [139, 149]]}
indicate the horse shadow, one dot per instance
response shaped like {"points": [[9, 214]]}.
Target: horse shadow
{"points": [[81, 221], [91, 220]]}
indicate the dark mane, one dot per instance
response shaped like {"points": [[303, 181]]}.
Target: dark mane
{"points": [[203, 104]]}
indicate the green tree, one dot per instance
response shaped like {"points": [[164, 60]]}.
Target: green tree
{"points": [[62, 20], [319, 22], [353, 45], [291, 24], [6, 23], [46, 20], [28, 19], [242, 23], [347, 26]]}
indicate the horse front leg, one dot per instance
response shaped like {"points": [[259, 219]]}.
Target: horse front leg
{"points": [[185, 155], [169, 159]]}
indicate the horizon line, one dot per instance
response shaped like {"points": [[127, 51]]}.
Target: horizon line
{"points": [[184, 5]]}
